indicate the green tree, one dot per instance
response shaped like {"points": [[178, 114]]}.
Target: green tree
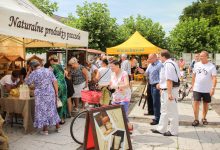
{"points": [[193, 35], [46, 6], [95, 18], [209, 9], [151, 31]]}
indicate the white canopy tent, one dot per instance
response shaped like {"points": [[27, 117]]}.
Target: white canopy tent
{"points": [[22, 22]]}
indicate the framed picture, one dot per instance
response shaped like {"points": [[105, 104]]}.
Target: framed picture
{"points": [[109, 130]]}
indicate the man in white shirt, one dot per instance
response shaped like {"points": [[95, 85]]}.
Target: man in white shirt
{"points": [[203, 84], [9, 82], [125, 65], [169, 82]]}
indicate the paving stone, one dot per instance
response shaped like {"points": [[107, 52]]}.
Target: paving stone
{"points": [[161, 148], [208, 137], [71, 146], [26, 144], [187, 138]]}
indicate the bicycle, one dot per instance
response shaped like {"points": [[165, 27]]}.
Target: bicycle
{"points": [[184, 89], [78, 124]]}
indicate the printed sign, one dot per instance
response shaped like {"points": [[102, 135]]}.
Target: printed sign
{"points": [[187, 57], [106, 129], [217, 59]]}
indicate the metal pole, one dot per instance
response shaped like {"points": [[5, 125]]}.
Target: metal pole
{"points": [[24, 51], [66, 56]]}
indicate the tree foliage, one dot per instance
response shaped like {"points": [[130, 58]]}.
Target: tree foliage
{"points": [[153, 32], [198, 28], [37, 50], [104, 31], [193, 35], [95, 18], [46, 6], [209, 9]]}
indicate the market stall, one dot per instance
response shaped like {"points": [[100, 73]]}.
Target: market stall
{"points": [[135, 45], [20, 106], [82, 54], [4, 61], [24, 24], [16, 62]]}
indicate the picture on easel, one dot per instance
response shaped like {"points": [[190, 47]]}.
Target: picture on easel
{"points": [[118, 140], [103, 121], [108, 128]]}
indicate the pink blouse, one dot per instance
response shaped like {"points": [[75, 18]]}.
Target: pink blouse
{"points": [[120, 95]]}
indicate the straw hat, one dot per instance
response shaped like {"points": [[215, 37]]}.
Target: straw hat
{"points": [[73, 60], [53, 57]]}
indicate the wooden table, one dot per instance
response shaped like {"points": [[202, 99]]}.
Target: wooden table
{"points": [[19, 106]]}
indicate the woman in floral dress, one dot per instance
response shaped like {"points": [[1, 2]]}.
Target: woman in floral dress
{"points": [[45, 92], [62, 87]]}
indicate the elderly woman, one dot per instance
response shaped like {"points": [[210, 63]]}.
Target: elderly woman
{"points": [[122, 94], [79, 76], [62, 88], [46, 91]]}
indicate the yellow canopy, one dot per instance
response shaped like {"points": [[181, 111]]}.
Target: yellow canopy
{"points": [[136, 44]]}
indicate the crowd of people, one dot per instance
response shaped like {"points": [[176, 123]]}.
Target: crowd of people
{"points": [[52, 82], [112, 77], [164, 77]]}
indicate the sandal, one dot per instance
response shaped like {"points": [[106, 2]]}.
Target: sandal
{"points": [[130, 130], [44, 132], [195, 123], [62, 122], [204, 122]]}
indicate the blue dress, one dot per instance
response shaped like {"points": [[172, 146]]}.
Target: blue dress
{"points": [[45, 106]]}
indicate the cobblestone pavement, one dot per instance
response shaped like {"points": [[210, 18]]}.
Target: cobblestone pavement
{"points": [[189, 138]]}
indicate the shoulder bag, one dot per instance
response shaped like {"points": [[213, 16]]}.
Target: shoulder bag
{"points": [[175, 84], [93, 86]]}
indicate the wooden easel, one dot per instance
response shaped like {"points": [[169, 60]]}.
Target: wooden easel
{"points": [[143, 95]]}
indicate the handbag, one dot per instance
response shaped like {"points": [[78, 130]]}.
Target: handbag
{"points": [[111, 90], [59, 103], [93, 85]]}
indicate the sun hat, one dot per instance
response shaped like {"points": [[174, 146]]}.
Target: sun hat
{"points": [[73, 60]]}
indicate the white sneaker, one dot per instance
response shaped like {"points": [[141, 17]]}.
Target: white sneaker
{"points": [[44, 132]]}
